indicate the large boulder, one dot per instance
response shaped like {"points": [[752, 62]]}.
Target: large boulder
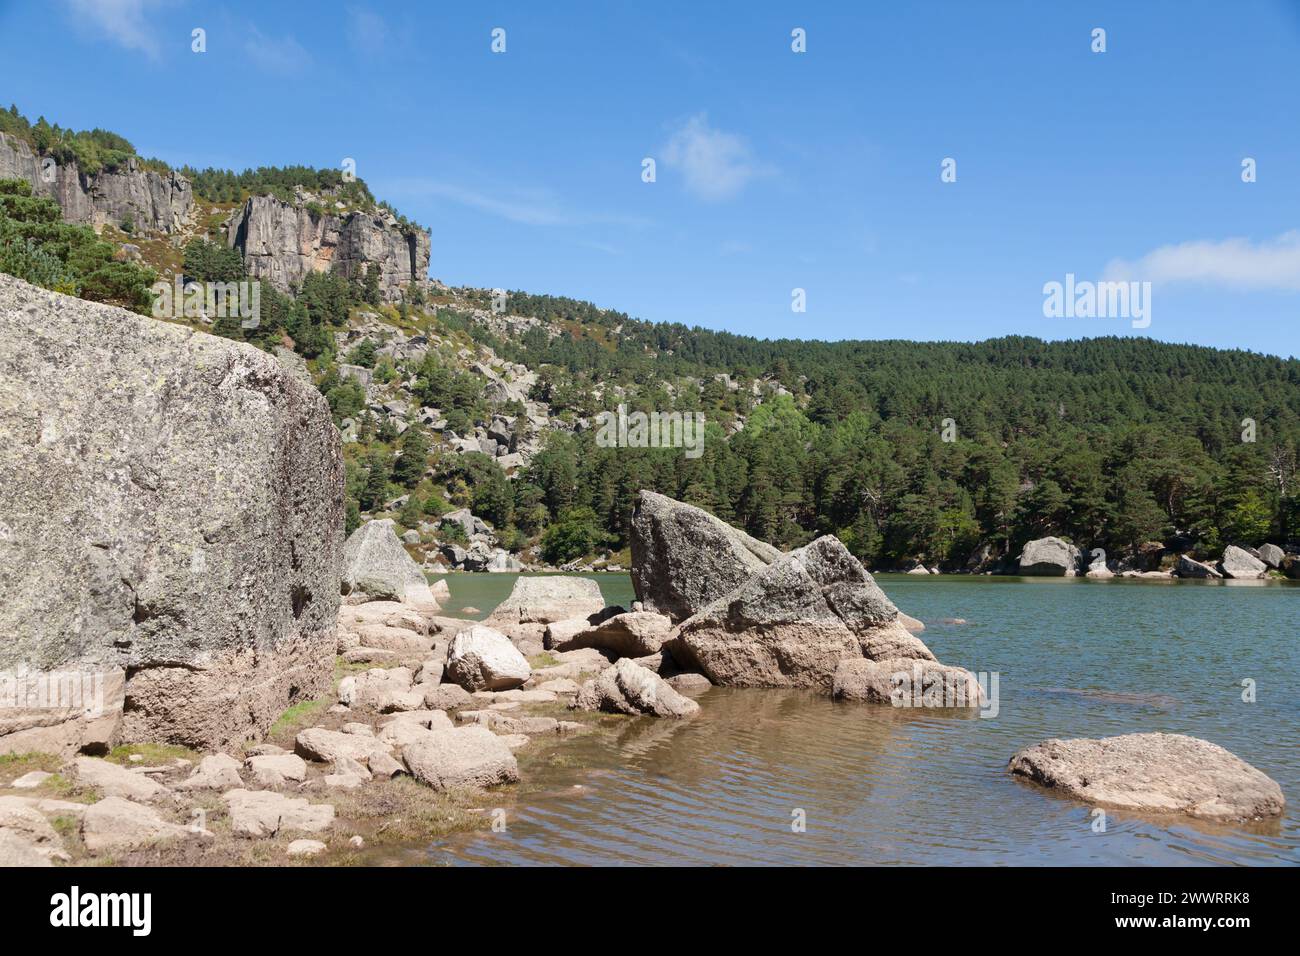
{"points": [[171, 516], [461, 757], [1271, 555], [792, 622], [117, 824], [628, 688], [684, 559], [1153, 772], [1049, 557], [541, 599], [1188, 567], [376, 565], [481, 658], [632, 634], [1239, 563]]}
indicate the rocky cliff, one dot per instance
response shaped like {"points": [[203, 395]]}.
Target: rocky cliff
{"points": [[172, 518], [158, 202], [282, 242]]}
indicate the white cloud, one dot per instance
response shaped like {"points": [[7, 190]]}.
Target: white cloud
{"points": [[1270, 264], [125, 22], [285, 55], [716, 165]]}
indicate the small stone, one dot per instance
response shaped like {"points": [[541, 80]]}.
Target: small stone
{"points": [[305, 848]]}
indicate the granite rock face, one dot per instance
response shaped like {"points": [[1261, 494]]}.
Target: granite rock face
{"points": [[1049, 557], [377, 567], [1241, 564], [790, 624], [1164, 773], [172, 512], [283, 242], [684, 559], [154, 201]]}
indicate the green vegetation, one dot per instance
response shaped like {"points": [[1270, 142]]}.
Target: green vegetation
{"points": [[37, 246]]}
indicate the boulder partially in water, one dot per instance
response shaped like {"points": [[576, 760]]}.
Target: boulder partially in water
{"points": [[1164, 773], [542, 599], [628, 688], [1241, 564], [684, 559], [906, 683], [1188, 567], [791, 623], [172, 513]]}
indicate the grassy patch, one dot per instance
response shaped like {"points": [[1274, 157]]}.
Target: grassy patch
{"points": [[13, 766], [297, 716], [544, 659], [153, 754], [403, 810]]}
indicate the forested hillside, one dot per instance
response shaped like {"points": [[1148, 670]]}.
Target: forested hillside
{"points": [[948, 453]]}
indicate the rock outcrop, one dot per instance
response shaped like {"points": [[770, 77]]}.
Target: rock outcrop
{"points": [[377, 567], [792, 622], [283, 242], [1167, 773], [172, 514], [684, 559], [149, 200], [1049, 557], [1241, 564]]}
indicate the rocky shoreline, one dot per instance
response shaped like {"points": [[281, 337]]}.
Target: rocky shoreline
{"points": [[419, 736]]}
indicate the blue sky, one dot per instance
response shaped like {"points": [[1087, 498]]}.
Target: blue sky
{"points": [[775, 170]]}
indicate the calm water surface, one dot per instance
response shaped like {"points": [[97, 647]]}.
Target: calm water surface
{"points": [[884, 785]]}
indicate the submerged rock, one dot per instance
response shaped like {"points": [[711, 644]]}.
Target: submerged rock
{"points": [[1169, 773], [684, 559]]}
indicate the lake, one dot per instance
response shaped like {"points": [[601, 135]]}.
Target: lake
{"points": [[880, 785]]}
